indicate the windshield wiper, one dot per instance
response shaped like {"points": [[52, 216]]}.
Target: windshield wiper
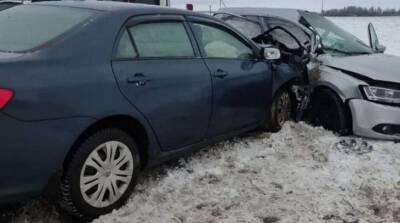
{"points": [[360, 53], [337, 50], [345, 52]]}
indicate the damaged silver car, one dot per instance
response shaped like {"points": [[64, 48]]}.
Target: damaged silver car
{"points": [[352, 87]]}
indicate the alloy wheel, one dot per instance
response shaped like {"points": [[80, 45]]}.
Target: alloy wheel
{"points": [[283, 108]]}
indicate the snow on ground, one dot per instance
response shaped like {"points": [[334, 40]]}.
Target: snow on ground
{"points": [[301, 174], [387, 28]]}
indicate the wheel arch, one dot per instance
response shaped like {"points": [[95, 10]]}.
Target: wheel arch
{"points": [[332, 87], [123, 122], [285, 85], [344, 85], [339, 94]]}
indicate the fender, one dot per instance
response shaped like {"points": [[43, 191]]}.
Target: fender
{"points": [[341, 82]]}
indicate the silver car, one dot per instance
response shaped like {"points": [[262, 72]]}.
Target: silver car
{"points": [[356, 88]]}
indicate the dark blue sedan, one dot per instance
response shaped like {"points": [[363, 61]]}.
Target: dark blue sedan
{"points": [[92, 93]]}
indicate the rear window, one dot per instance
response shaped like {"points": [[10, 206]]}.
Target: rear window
{"points": [[29, 26], [6, 5]]}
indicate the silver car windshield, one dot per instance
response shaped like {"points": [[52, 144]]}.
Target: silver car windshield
{"points": [[333, 38]]}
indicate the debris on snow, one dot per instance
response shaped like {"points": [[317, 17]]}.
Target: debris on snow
{"points": [[270, 219], [355, 146]]}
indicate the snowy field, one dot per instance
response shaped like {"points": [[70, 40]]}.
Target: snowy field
{"points": [[301, 174], [387, 28]]}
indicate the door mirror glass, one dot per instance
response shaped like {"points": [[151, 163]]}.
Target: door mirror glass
{"points": [[374, 41], [271, 53]]}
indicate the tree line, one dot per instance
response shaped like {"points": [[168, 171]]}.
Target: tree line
{"points": [[360, 11]]}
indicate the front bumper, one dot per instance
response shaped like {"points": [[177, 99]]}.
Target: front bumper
{"points": [[368, 117]]}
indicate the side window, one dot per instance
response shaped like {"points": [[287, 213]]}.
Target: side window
{"points": [[284, 38], [249, 28], [295, 30], [218, 43], [162, 39], [125, 48]]}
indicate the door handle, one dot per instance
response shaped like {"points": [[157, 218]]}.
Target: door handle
{"points": [[220, 74], [138, 79]]}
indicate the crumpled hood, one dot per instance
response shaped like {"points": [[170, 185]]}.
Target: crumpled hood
{"points": [[380, 67]]}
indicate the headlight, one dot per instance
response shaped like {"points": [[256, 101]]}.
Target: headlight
{"points": [[380, 94]]}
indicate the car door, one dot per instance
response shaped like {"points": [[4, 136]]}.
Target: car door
{"points": [[241, 82], [163, 76]]}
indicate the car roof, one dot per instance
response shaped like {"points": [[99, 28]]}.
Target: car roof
{"points": [[112, 6], [289, 14], [10, 2], [95, 5]]}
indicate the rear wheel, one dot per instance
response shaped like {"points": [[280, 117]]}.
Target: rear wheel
{"points": [[101, 174], [328, 111]]}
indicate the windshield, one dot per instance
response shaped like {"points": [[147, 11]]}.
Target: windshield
{"points": [[26, 27], [333, 38]]}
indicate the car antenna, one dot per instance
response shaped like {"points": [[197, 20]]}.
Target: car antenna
{"points": [[322, 7], [222, 3]]}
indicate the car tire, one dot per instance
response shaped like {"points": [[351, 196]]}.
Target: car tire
{"points": [[100, 175], [281, 110], [328, 111]]}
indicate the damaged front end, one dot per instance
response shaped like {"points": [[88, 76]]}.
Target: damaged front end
{"points": [[304, 92], [298, 69]]}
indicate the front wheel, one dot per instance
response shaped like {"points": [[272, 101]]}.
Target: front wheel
{"points": [[101, 174], [281, 111], [328, 111]]}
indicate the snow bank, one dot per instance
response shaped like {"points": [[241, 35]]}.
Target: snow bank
{"points": [[301, 174]]}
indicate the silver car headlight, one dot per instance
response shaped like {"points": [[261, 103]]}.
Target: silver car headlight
{"points": [[380, 94]]}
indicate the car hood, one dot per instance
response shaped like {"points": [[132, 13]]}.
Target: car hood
{"points": [[379, 67]]}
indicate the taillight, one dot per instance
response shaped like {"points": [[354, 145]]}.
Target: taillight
{"points": [[5, 97]]}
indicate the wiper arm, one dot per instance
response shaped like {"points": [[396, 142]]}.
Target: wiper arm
{"points": [[345, 52], [361, 53], [337, 50]]}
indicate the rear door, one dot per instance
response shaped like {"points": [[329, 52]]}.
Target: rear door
{"points": [[163, 76], [241, 82]]}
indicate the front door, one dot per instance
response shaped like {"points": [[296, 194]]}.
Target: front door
{"points": [[242, 84], [162, 75]]}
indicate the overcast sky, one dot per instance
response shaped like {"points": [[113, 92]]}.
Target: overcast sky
{"points": [[312, 5]]}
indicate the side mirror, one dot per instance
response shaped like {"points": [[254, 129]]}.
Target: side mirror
{"points": [[374, 41], [271, 53]]}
